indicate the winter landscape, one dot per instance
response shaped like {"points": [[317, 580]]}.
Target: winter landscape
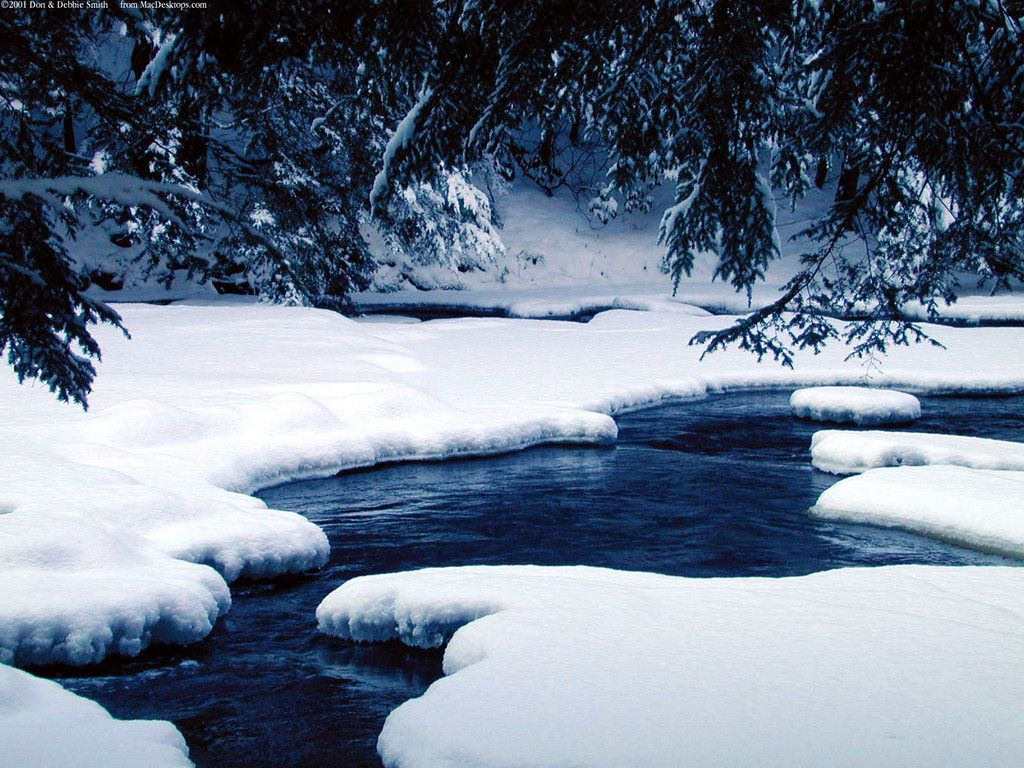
{"points": [[465, 384]]}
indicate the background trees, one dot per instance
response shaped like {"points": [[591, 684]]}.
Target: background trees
{"points": [[252, 145]]}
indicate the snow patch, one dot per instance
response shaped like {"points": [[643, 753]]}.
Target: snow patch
{"points": [[846, 453], [77, 590], [554, 666], [855, 405], [973, 508]]}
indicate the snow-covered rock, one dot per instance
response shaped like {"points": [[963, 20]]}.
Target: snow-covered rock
{"points": [[845, 452], [894, 666], [974, 508], [855, 405], [41, 724], [207, 403]]}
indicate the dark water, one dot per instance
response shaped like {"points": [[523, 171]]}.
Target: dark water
{"points": [[451, 311], [715, 488]]}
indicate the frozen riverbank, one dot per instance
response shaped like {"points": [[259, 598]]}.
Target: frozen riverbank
{"points": [[207, 403], [898, 666]]}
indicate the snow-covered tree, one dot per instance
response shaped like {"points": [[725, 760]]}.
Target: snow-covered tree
{"points": [[434, 232], [912, 109], [251, 145]]}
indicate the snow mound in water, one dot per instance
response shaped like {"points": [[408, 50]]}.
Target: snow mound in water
{"points": [[895, 666], [93, 590], [41, 724], [855, 405], [846, 453], [974, 508]]}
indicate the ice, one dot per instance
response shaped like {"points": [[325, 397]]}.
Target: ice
{"points": [[41, 724], [855, 405], [973, 508], [207, 403], [555, 666], [846, 452]]}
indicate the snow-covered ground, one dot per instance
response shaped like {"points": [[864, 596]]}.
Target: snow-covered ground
{"points": [[207, 403], [43, 725], [896, 666], [980, 309], [855, 405], [844, 452], [120, 526]]}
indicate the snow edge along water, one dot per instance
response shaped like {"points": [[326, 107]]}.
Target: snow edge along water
{"points": [[282, 394]]}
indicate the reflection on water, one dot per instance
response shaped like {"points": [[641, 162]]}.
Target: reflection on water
{"points": [[715, 488]]}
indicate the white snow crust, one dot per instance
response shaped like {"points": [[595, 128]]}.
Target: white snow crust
{"points": [[974, 508], [76, 590], [41, 724], [855, 405], [208, 402], [845, 452], [558, 666]]}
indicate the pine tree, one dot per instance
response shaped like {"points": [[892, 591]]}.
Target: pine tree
{"points": [[913, 107], [254, 147]]}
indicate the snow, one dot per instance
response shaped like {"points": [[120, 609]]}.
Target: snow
{"points": [[404, 134], [207, 403], [547, 303], [845, 453], [122, 188], [77, 590], [965, 490], [555, 666], [979, 309], [41, 724], [855, 405], [155, 70], [975, 508]]}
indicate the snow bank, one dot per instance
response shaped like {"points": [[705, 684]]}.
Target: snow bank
{"points": [[855, 405], [895, 666], [846, 453], [76, 590], [968, 491], [978, 509], [207, 403], [979, 309], [41, 724]]}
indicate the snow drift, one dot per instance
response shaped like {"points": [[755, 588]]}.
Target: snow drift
{"points": [[896, 666]]}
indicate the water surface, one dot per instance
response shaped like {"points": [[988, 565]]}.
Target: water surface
{"points": [[712, 488]]}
